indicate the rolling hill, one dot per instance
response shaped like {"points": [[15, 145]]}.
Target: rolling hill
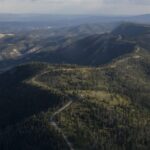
{"points": [[98, 100], [73, 45], [20, 47], [111, 101], [132, 30], [99, 49]]}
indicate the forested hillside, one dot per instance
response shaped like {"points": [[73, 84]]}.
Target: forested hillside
{"points": [[105, 113], [74, 90]]}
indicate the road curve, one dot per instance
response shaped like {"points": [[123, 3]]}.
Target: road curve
{"points": [[54, 124], [52, 121]]}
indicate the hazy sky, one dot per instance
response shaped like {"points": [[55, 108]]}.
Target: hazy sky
{"points": [[108, 7]]}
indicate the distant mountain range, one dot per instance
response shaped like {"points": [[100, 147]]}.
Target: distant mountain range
{"points": [[76, 45], [36, 21], [68, 18]]}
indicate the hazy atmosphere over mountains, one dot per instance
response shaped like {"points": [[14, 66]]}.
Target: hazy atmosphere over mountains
{"points": [[75, 75], [103, 7]]}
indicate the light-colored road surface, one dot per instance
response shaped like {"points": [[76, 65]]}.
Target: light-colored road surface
{"points": [[52, 121], [61, 109], [54, 124]]}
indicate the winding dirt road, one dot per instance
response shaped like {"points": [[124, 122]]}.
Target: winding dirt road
{"points": [[54, 124], [52, 121]]}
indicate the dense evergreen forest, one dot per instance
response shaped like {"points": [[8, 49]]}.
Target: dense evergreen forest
{"points": [[105, 113], [91, 93]]}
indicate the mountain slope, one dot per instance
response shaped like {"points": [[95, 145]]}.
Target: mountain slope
{"points": [[93, 50], [22, 111], [105, 112], [140, 33], [132, 30], [45, 106], [19, 99], [74, 44], [21, 46], [101, 50]]}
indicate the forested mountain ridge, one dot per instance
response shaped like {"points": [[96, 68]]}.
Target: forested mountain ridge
{"points": [[100, 49], [105, 82], [132, 29], [74, 44], [104, 104], [20, 47]]}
